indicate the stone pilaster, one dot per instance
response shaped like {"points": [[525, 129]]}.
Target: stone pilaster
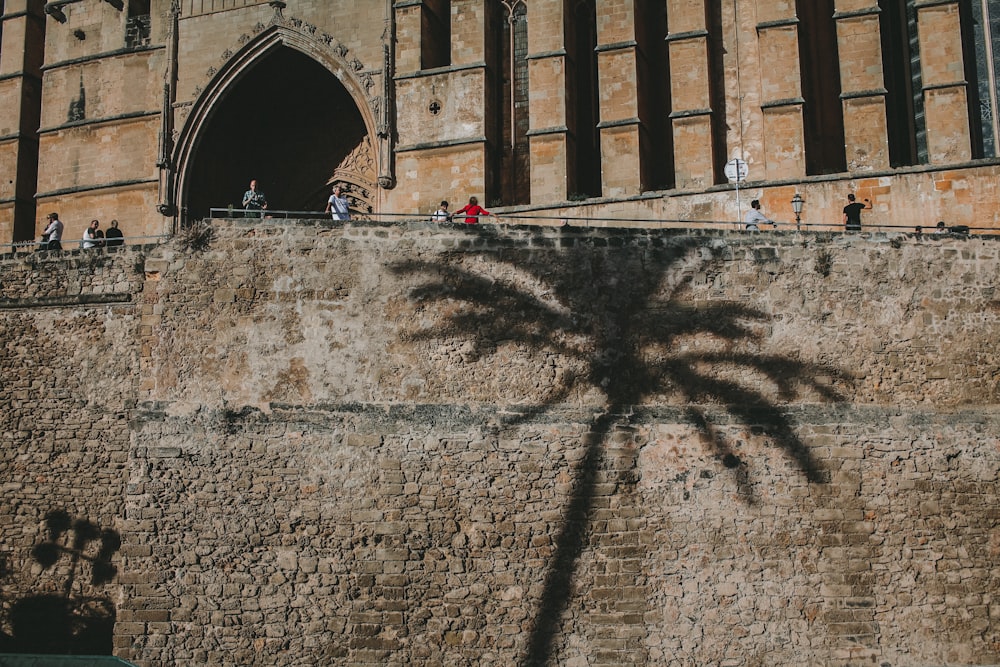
{"points": [[619, 98], [550, 143], [408, 36], [691, 115], [23, 43], [863, 88], [946, 106], [781, 99], [469, 30]]}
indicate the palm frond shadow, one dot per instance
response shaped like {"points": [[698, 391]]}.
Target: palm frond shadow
{"points": [[73, 619], [630, 307]]}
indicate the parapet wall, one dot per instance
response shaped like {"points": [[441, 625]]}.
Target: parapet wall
{"points": [[427, 445]]}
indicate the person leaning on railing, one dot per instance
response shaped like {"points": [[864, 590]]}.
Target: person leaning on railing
{"points": [[52, 236], [473, 211], [114, 235]]}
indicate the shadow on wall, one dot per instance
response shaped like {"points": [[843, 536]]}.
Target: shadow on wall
{"points": [[66, 622], [624, 315]]}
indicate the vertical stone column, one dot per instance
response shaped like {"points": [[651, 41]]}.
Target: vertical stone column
{"points": [[469, 31], [619, 126], [863, 87], [443, 114], [691, 116], [781, 99], [946, 105], [408, 36], [21, 53], [547, 71]]}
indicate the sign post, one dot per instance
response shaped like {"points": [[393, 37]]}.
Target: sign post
{"points": [[736, 171]]}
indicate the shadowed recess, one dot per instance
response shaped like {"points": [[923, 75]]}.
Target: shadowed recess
{"points": [[289, 123]]}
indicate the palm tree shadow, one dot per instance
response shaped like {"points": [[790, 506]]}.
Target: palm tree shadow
{"points": [[70, 621], [622, 314]]}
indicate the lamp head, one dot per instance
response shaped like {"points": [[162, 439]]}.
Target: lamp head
{"points": [[797, 202]]}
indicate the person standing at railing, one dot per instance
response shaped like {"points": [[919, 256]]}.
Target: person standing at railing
{"points": [[473, 211], [114, 235], [442, 214], [91, 234], [338, 204], [52, 236], [755, 218], [254, 199], [852, 214]]}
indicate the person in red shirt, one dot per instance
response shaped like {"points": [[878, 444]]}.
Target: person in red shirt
{"points": [[473, 210]]}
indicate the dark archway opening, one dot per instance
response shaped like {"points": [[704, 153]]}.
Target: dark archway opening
{"points": [[289, 123]]}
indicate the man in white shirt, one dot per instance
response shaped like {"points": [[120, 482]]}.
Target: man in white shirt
{"points": [[442, 214], [53, 233], [338, 205], [89, 235], [754, 217]]}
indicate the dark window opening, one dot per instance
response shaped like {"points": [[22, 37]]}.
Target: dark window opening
{"points": [[901, 74], [980, 41], [30, 103], [717, 88], [293, 149], [823, 113], [582, 101], [656, 142], [137, 24], [512, 178], [435, 34]]}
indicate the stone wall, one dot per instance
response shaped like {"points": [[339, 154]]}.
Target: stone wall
{"points": [[425, 445], [68, 382]]}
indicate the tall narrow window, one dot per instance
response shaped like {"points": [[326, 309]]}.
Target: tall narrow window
{"points": [[904, 101], [717, 87], [137, 24], [981, 38], [512, 177], [823, 115], [656, 142], [435, 34], [582, 102]]}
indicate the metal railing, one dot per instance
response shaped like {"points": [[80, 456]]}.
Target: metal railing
{"points": [[511, 219], [76, 244], [603, 222]]}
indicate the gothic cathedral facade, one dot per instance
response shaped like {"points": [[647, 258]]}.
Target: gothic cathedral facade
{"points": [[159, 112]]}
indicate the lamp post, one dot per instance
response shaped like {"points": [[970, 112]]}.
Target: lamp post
{"points": [[797, 202]]}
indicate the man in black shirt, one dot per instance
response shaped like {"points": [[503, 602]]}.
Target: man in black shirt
{"points": [[114, 235], [852, 214]]}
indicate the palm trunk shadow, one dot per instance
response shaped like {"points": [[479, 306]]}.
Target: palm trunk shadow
{"points": [[570, 543]]}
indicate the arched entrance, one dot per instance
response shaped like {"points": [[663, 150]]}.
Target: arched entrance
{"points": [[279, 115]]}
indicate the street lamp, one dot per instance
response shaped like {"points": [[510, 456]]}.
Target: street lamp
{"points": [[797, 202]]}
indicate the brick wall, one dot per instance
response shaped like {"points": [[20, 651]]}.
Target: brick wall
{"points": [[424, 444]]}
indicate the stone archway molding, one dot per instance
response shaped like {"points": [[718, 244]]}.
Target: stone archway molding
{"points": [[321, 47]]}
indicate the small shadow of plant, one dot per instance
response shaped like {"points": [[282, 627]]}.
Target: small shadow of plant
{"points": [[70, 622], [823, 263], [196, 237], [624, 313]]}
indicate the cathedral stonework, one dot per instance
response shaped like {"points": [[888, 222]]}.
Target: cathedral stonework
{"points": [[155, 112], [407, 443], [606, 428]]}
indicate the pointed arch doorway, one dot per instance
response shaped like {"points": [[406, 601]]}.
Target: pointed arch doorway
{"points": [[279, 115]]}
